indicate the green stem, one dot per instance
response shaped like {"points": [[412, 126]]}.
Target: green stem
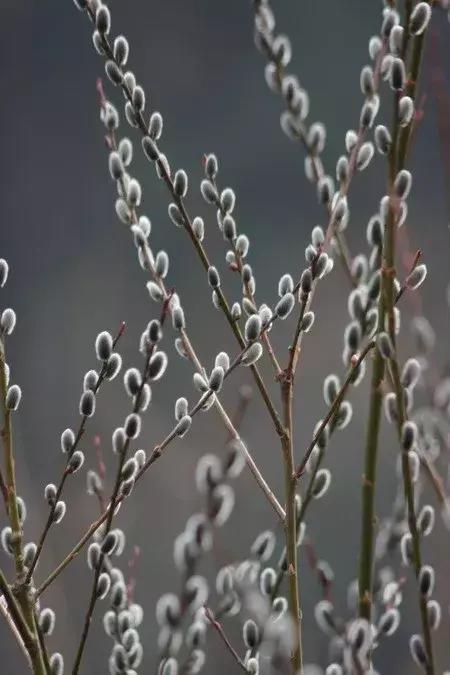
{"points": [[22, 593], [368, 490], [291, 524]]}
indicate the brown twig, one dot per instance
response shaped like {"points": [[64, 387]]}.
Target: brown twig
{"points": [[221, 633]]}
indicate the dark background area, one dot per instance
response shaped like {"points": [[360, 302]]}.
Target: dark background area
{"points": [[74, 272]]}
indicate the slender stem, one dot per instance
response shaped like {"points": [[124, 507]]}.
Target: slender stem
{"points": [[4, 611], [66, 473], [115, 499], [262, 483], [296, 343], [396, 159], [334, 407], [290, 524], [42, 644], [6, 433], [13, 615], [368, 490], [221, 633], [412, 521], [417, 50], [401, 418], [4, 491], [22, 592]]}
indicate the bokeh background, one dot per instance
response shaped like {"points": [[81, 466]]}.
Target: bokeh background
{"points": [[74, 272]]}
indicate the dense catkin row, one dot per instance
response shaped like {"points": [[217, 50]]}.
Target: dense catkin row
{"points": [[261, 592]]}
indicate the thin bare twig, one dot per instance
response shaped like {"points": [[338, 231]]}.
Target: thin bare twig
{"points": [[221, 633]]}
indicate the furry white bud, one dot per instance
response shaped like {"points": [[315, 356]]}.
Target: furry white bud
{"points": [[364, 156], [13, 397], [420, 18]]}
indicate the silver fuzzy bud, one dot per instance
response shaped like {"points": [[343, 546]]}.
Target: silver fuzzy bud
{"points": [[417, 650], [131, 115], [375, 45], [103, 20], [211, 166], [389, 622], [227, 200], [402, 184], [180, 183], [103, 346], [155, 126], [242, 245], [425, 520], [155, 292], [113, 366], [397, 74], [103, 585], [434, 615], [198, 228], [216, 379], [405, 111], [321, 483], [115, 166], [420, 18], [285, 306], [113, 72], [396, 40], [13, 397], [351, 139], [132, 426], [150, 148], [157, 365], [4, 271], [307, 321], [366, 81], [417, 277], [285, 285], [138, 98], [47, 621], [75, 462], [364, 156], [87, 403], [8, 321], [178, 319], [209, 192], [162, 264], [236, 311], [121, 50], [125, 150], [59, 512], [253, 327], [229, 227], [426, 580], [383, 139], [385, 346], [252, 354], [175, 215], [183, 426], [181, 408], [325, 189], [213, 277]]}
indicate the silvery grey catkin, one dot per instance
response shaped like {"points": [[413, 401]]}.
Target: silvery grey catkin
{"points": [[252, 589]]}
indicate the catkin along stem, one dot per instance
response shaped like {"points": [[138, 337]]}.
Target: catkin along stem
{"points": [[22, 594], [66, 473], [397, 158], [187, 223]]}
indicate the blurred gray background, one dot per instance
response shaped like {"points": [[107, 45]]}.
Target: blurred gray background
{"points": [[74, 272]]}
